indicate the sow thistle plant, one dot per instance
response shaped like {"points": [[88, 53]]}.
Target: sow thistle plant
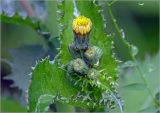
{"points": [[84, 72], [96, 89]]}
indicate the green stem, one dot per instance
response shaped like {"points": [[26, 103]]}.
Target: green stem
{"points": [[141, 74]]}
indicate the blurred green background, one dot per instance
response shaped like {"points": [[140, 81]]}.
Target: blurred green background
{"points": [[138, 19]]}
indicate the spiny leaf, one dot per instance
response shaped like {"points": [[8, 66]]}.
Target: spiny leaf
{"points": [[19, 20], [23, 58], [143, 101], [51, 20], [43, 102], [48, 79], [66, 8]]}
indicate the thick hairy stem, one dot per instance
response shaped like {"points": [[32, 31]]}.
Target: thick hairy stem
{"points": [[141, 74]]}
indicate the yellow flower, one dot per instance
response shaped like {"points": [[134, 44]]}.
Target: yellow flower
{"points": [[82, 25]]}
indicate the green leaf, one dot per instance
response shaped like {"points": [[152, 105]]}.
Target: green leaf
{"points": [[48, 79], [24, 55], [45, 80], [143, 100], [51, 19], [43, 102], [19, 20], [66, 18]]}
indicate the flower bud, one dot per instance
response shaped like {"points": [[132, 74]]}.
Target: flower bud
{"points": [[70, 67], [92, 55], [93, 73], [74, 52], [80, 67], [81, 29]]}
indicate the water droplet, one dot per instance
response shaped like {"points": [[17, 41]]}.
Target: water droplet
{"points": [[114, 20], [140, 3], [122, 33], [134, 50]]}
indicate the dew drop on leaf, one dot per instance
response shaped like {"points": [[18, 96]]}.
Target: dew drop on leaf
{"points": [[134, 50], [122, 33], [115, 20]]}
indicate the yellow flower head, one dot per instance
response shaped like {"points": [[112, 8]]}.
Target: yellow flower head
{"points": [[82, 25]]}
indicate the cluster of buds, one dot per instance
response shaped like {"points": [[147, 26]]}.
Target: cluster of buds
{"points": [[86, 58]]}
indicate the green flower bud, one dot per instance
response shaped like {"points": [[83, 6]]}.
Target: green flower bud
{"points": [[70, 67], [80, 67], [92, 56], [93, 73], [74, 52]]}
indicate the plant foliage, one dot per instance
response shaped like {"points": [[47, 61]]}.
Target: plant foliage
{"points": [[49, 82]]}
